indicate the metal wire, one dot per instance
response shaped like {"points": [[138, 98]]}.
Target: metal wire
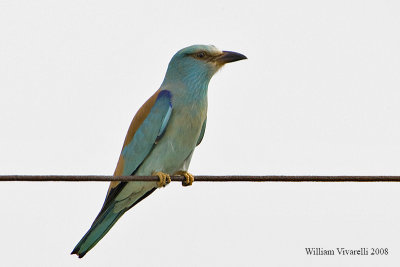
{"points": [[200, 178]]}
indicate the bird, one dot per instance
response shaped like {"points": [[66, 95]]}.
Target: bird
{"points": [[162, 135]]}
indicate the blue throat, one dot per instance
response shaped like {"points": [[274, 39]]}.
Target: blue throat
{"points": [[192, 79]]}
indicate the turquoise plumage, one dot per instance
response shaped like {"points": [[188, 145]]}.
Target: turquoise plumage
{"points": [[162, 136]]}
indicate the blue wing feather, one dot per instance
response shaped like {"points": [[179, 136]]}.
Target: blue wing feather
{"points": [[149, 132]]}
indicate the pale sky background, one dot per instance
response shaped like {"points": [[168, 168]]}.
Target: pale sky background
{"points": [[318, 95]]}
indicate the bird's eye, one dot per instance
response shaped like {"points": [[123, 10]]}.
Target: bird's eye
{"points": [[201, 55]]}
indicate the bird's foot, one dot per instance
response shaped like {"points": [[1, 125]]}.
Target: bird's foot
{"points": [[164, 179], [189, 178]]}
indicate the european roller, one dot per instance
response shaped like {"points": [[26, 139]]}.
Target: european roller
{"points": [[162, 136]]}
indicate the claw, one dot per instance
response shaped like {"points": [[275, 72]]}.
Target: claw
{"points": [[164, 179], [189, 178]]}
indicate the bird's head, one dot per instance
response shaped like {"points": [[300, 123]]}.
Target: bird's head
{"points": [[199, 63]]}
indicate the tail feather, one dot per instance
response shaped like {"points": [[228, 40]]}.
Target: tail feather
{"points": [[97, 231], [102, 224]]}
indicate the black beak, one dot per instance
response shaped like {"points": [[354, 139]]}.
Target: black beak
{"points": [[229, 56]]}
